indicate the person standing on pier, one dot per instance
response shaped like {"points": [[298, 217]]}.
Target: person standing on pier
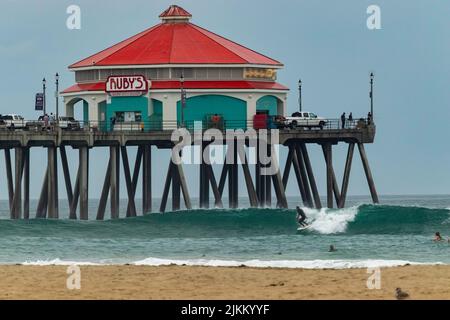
{"points": [[343, 118], [46, 122]]}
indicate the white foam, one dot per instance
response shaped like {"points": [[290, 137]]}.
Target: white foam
{"points": [[291, 264], [326, 221], [59, 262]]}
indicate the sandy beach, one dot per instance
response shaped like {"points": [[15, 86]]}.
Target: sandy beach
{"points": [[179, 282]]}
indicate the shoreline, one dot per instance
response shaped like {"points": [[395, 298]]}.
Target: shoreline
{"points": [[217, 283]]}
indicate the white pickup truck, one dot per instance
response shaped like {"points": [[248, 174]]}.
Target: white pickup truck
{"points": [[14, 121], [306, 120]]}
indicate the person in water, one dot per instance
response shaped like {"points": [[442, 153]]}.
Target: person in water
{"points": [[301, 217], [437, 237], [332, 248]]}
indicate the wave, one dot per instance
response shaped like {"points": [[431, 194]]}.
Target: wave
{"points": [[363, 219], [288, 264]]}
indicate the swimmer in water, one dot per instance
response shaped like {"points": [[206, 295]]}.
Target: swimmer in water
{"points": [[437, 237], [332, 248]]}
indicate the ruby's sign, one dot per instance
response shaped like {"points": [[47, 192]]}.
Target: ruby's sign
{"points": [[126, 85]]}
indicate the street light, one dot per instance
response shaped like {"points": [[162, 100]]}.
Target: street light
{"points": [[300, 94], [371, 94], [183, 98], [44, 87], [57, 98]]}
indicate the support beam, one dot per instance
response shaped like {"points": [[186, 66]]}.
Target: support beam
{"points": [[147, 179], [337, 194], [304, 176], [278, 182], [115, 176], [65, 167], [53, 207], [26, 184], [41, 211], [346, 179], [253, 197], [84, 183], [16, 212], [368, 172], [76, 196], [128, 182], [176, 191], [135, 178], [166, 189], [329, 165], [268, 181], [223, 177], [287, 167], [233, 183], [312, 180], [178, 169], [204, 180], [217, 196], [9, 178], [105, 192], [298, 175]]}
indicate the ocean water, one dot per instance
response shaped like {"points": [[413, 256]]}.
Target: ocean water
{"points": [[397, 232]]}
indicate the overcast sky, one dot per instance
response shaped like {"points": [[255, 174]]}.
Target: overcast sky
{"points": [[326, 43]]}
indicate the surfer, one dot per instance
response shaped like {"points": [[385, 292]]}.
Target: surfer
{"points": [[301, 218]]}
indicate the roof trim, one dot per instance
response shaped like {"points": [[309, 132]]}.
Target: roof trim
{"points": [[79, 93], [154, 66]]}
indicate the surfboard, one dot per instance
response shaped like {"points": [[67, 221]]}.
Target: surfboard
{"points": [[303, 228]]}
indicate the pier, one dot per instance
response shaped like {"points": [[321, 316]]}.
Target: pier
{"points": [[260, 188]]}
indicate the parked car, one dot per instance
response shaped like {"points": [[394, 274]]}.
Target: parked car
{"points": [[65, 123], [37, 125], [2, 124], [305, 120], [69, 123], [14, 121]]}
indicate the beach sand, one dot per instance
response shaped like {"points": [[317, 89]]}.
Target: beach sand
{"points": [[179, 282]]}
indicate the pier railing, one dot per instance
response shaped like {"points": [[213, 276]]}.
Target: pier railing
{"points": [[168, 125]]}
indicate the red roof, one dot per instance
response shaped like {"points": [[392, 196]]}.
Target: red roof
{"points": [[175, 43], [167, 85], [175, 11]]}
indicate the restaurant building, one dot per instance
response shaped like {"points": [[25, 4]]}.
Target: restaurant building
{"points": [[139, 82]]}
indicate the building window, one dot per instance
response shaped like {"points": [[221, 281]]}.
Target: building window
{"points": [[128, 116]]}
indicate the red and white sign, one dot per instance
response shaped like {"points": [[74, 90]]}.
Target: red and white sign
{"points": [[124, 85]]}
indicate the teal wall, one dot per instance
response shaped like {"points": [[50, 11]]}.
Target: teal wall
{"points": [[102, 120], [233, 110], [127, 104], [268, 103], [155, 118], [86, 111]]}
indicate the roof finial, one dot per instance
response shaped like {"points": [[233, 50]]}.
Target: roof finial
{"points": [[175, 14]]}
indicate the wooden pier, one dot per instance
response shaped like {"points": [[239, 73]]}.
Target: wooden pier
{"points": [[260, 188]]}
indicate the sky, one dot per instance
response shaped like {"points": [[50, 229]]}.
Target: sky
{"points": [[326, 43]]}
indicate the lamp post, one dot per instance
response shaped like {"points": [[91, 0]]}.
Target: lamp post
{"points": [[183, 99], [371, 93], [44, 87], [57, 98], [300, 94]]}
